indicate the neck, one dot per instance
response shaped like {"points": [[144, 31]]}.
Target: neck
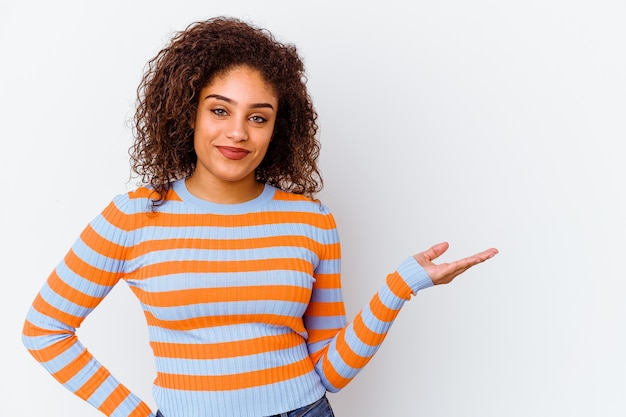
{"points": [[224, 192]]}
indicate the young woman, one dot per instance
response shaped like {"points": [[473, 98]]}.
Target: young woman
{"points": [[236, 265]]}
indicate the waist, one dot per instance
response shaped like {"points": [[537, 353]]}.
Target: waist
{"points": [[257, 401]]}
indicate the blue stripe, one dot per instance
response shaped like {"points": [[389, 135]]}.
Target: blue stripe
{"points": [[81, 284], [111, 232], [221, 309], [245, 331], [62, 360], [82, 376], [291, 394], [62, 303], [373, 323], [187, 254], [339, 364], [284, 230], [103, 391], [328, 266], [325, 322], [96, 259], [357, 345], [47, 322], [327, 295]]}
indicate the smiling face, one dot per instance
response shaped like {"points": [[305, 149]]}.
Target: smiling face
{"points": [[233, 128]]}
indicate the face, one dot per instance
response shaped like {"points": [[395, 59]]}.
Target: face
{"points": [[233, 127]]}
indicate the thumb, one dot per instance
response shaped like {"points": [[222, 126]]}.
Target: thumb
{"points": [[431, 253], [437, 250]]}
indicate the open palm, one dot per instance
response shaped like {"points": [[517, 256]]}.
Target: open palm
{"points": [[445, 272]]}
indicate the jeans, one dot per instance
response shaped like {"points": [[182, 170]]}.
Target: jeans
{"points": [[320, 408]]}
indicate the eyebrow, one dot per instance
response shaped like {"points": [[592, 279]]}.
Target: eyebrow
{"points": [[231, 101]]}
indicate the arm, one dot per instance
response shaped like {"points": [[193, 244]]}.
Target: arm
{"points": [[347, 350], [340, 351], [89, 271]]}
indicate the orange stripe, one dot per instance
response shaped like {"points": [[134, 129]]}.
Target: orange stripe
{"points": [[321, 309], [111, 214], [114, 216], [114, 399], [398, 286], [30, 329], [70, 293], [332, 251], [226, 349], [55, 349], [44, 308], [234, 244], [286, 196], [211, 295], [317, 335], [85, 270], [327, 281], [93, 383], [181, 267], [365, 334], [381, 311], [73, 367], [234, 381], [142, 410], [225, 320], [332, 375], [143, 192], [101, 245], [315, 357], [350, 357]]}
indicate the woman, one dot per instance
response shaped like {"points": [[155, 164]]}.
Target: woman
{"points": [[236, 265]]}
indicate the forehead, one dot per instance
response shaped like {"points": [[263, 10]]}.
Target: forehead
{"points": [[242, 78]]}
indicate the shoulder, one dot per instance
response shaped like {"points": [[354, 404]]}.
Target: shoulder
{"points": [[140, 200], [301, 201], [302, 209], [132, 202], [130, 210]]}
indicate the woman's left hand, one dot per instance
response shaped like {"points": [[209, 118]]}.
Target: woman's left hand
{"points": [[444, 273]]}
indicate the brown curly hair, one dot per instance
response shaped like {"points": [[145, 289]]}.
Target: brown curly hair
{"points": [[167, 100]]}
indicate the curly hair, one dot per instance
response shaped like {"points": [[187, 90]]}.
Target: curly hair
{"points": [[167, 101]]}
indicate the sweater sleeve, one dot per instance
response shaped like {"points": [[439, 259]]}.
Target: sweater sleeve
{"points": [[339, 350], [89, 271]]}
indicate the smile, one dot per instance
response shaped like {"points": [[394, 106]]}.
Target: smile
{"points": [[232, 152]]}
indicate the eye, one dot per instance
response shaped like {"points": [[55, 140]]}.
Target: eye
{"points": [[258, 119], [219, 112]]}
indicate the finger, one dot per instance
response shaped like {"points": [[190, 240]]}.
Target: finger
{"points": [[457, 268], [445, 273], [425, 258], [486, 254], [480, 257], [436, 251], [466, 263]]}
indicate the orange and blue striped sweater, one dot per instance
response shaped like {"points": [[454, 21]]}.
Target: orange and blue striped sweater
{"points": [[243, 304]]}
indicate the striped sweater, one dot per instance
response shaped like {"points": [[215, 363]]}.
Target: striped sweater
{"points": [[243, 304]]}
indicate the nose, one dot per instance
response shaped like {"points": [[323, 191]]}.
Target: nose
{"points": [[237, 130]]}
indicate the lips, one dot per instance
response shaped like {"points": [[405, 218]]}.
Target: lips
{"points": [[232, 152]]}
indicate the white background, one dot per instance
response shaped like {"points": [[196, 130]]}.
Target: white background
{"points": [[483, 123]]}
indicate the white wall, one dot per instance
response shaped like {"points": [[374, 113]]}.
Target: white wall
{"points": [[484, 123]]}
